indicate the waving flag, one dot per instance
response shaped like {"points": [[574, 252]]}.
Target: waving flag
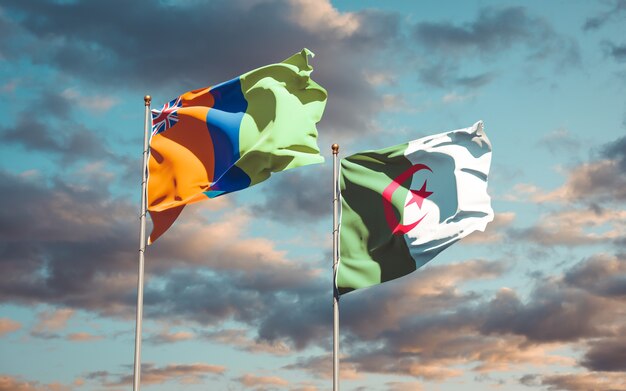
{"points": [[220, 139], [403, 205]]}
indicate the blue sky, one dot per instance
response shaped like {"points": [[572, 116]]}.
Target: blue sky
{"points": [[238, 292]]}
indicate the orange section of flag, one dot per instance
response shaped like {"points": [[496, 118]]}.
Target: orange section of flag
{"points": [[189, 142], [181, 167]]}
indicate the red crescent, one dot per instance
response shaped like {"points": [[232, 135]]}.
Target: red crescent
{"points": [[396, 227]]}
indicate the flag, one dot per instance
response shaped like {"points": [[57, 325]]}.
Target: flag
{"points": [[403, 205], [220, 139]]}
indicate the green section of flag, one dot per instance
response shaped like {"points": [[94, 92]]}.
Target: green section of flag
{"points": [[278, 131], [369, 252]]}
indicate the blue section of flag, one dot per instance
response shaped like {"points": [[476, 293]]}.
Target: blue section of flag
{"points": [[223, 121]]}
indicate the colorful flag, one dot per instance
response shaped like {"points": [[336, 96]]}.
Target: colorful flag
{"points": [[228, 137], [403, 205]]}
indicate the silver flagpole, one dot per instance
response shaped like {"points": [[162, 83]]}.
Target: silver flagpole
{"points": [[142, 246], [335, 148]]}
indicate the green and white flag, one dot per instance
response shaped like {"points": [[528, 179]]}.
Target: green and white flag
{"points": [[403, 205]]}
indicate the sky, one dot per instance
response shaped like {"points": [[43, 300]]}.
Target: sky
{"points": [[238, 293]]}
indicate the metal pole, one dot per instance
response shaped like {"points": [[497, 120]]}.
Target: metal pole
{"points": [[335, 148], [142, 245]]}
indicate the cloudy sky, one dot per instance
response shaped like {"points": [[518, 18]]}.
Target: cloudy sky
{"points": [[238, 292]]}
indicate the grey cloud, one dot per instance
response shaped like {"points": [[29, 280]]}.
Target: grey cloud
{"points": [[431, 289], [618, 52], [597, 181], [602, 275], [553, 314], [476, 81], [166, 338], [601, 181], [52, 104], [68, 140], [124, 50], [82, 255], [308, 321], [151, 374], [75, 247], [541, 236], [469, 329], [307, 199], [606, 355], [493, 31], [560, 140], [597, 381], [239, 339], [444, 72], [616, 150], [530, 380], [595, 22]]}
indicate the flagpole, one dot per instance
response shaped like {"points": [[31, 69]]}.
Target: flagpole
{"points": [[335, 148], [142, 246]]}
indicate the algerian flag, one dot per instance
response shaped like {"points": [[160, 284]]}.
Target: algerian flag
{"points": [[403, 205]]}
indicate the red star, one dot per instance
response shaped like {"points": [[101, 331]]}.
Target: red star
{"points": [[419, 196]]}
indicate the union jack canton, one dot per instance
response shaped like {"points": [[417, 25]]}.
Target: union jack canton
{"points": [[167, 117]]}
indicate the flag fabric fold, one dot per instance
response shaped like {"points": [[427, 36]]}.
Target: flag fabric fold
{"points": [[403, 205], [220, 139]]}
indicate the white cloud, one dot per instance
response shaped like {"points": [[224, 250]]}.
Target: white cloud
{"points": [[320, 16]]}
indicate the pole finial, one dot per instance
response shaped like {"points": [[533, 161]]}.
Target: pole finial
{"points": [[335, 148], [147, 99]]}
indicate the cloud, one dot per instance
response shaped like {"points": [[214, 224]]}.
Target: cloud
{"points": [[424, 326], [617, 52], [616, 150], [63, 36], [453, 97], [83, 337], [205, 272], [396, 103], [606, 355], [240, 340], [574, 227], [475, 81], [322, 367], [502, 333], [431, 289], [560, 140], [603, 275], [151, 374], [595, 22], [427, 315], [68, 140], [167, 337], [322, 17], [13, 383], [305, 201], [581, 381], [597, 181], [554, 314], [439, 347], [303, 386], [253, 381], [493, 30], [404, 386], [490, 34], [494, 232], [56, 320], [96, 104], [8, 326]]}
